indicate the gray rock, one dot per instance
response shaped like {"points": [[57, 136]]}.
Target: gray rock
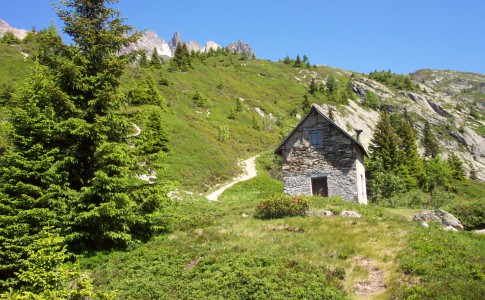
{"points": [[241, 47], [351, 214], [447, 219], [450, 228], [323, 213]]}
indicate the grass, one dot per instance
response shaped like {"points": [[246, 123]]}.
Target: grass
{"points": [[221, 251]]}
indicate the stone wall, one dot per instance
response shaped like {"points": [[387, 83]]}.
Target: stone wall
{"points": [[335, 158]]}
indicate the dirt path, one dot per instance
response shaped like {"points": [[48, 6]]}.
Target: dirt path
{"points": [[374, 284], [250, 172]]}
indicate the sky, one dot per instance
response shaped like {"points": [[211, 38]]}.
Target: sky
{"points": [[356, 35]]}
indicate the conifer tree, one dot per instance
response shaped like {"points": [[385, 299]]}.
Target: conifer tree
{"points": [[297, 61], [70, 165], [181, 59], [384, 143], [430, 144], [305, 105], [411, 159], [155, 59], [143, 62], [456, 166]]}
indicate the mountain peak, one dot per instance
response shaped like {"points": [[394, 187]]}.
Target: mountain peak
{"points": [[176, 39], [5, 27], [241, 47]]}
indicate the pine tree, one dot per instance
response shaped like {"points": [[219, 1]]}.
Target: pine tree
{"points": [[297, 62], [384, 143], [181, 59], [385, 168], [314, 88], [155, 59], [143, 62], [332, 84], [305, 105], [430, 144], [456, 166], [411, 159], [70, 166]]}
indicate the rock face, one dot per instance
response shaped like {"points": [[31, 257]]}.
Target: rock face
{"points": [[452, 102], [18, 33], [210, 45], [194, 46], [447, 220], [148, 41], [173, 43], [241, 47]]}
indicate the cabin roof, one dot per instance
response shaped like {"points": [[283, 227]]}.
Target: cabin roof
{"points": [[316, 108]]}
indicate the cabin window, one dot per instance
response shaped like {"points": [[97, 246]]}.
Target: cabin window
{"points": [[316, 138]]}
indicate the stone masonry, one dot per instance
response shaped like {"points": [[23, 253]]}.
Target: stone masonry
{"points": [[318, 148]]}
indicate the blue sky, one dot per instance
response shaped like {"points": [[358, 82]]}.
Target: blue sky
{"points": [[356, 35]]}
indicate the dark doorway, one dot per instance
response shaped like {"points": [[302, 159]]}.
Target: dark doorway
{"points": [[320, 186]]}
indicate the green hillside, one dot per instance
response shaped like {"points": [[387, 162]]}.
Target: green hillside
{"points": [[227, 108]]}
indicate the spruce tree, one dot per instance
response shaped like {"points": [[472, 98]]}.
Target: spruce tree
{"points": [[456, 166], [155, 59], [70, 165], [143, 62], [305, 105], [430, 144], [384, 143], [298, 62], [411, 159], [181, 59], [385, 167]]}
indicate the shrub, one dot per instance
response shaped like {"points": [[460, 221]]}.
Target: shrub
{"points": [[279, 206], [471, 215]]}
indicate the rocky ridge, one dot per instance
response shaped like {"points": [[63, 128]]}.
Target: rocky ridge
{"points": [[150, 40], [5, 27], [452, 102]]}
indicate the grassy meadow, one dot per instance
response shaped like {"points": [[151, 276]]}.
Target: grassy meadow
{"points": [[220, 251]]}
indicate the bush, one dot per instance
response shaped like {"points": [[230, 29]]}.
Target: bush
{"points": [[279, 206], [471, 215]]}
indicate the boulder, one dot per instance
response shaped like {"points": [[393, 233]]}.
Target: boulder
{"points": [[322, 213], [351, 214], [447, 219]]}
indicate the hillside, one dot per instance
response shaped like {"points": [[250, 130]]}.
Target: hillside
{"points": [[174, 243], [271, 94]]}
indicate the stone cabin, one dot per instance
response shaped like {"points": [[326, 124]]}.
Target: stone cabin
{"points": [[320, 158]]}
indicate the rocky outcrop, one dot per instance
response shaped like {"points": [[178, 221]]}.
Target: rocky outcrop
{"points": [[18, 33], [447, 220], [241, 47], [173, 43], [194, 46], [149, 41], [210, 45], [362, 85]]}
